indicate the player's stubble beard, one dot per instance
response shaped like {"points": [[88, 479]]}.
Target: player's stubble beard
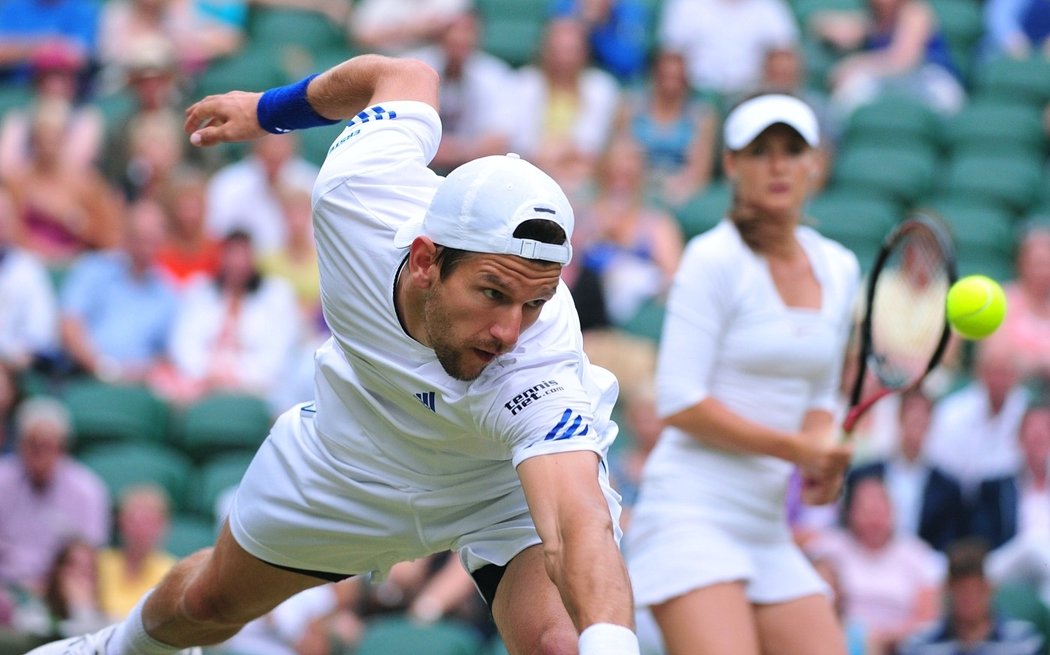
{"points": [[439, 326]]}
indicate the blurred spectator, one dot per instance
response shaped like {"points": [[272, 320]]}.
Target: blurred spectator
{"points": [[245, 195], [1017, 28], [927, 502], [27, 25], [630, 245], [151, 89], [1026, 329], [566, 108], [970, 624], [296, 263], [117, 306], [973, 437], [8, 401], [72, 591], [48, 497], [396, 26], [895, 45], [890, 581], [677, 131], [477, 97], [127, 572], [724, 41], [618, 31], [199, 30], [1026, 557], [29, 320], [65, 208], [784, 71], [312, 622], [855, 632], [155, 148], [188, 251], [234, 333], [56, 71]]}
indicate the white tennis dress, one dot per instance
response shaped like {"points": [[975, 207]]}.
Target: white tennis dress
{"points": [[707, 515], [395, 459]]}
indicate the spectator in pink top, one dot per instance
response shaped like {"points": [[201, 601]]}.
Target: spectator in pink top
{"points": [[48, 497], [1026, 329]]}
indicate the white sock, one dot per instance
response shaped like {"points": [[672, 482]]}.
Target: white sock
{"points": [[131, 638]]}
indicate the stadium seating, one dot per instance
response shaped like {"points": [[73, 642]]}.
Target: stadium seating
{"points": [[648, 321], [1014, 80], [988, 127], [982, 232], [127, 464], [401, 636], [705, 210], [104, 412], [223, 422], [188, 534], [901, 173], [278, 27], [1009, 180], [858, 221], [893, 121], [212, 479]]}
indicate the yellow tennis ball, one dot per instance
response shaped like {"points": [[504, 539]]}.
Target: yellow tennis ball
{"points": [[975, 306]]}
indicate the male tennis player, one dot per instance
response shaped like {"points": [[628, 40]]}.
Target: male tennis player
{"points": [[454, 406]]}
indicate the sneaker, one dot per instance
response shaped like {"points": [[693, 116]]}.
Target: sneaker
{"points": [[92, 644]]}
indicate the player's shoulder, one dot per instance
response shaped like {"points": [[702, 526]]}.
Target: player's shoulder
{"points": [[719, 245]]}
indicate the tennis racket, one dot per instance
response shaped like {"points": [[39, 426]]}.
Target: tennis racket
{"points": [[904, 331]]}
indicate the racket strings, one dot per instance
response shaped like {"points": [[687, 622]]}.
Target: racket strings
{"points": [[908, 309]]}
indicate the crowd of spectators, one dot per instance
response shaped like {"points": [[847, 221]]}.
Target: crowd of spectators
{"points": [[128, 258]]}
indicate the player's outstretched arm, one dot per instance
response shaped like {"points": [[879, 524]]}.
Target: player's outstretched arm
{"points": [[580, 550], [334, 95]]}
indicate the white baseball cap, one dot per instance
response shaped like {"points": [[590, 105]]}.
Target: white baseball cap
{"points": [[751, 117], [480, 204]]}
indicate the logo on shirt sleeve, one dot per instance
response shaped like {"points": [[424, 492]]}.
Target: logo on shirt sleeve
{"points": [[570, 425], [532, 394]]}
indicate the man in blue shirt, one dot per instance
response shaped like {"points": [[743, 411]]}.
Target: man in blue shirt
{"points": [[27, 25], [117, 309]]}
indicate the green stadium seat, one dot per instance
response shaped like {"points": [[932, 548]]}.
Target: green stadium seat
{"points": [[127, 464], [314, 143], [105, 412], [276, 27], [14, 96], [514, 40], [224, 422], [256, 68], [893, 120], [212, 479], [990, 127], [1022, 601], [857, 221], [982, 232], [188, 534], [962, 25], [705, 210], [1009, 180], [804, 10], [648, 321], [531, 10], [900, 173], [401, 636], [1014, 80], [496, 647]]}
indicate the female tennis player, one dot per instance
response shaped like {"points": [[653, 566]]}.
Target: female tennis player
{"points": [[750, 359]]}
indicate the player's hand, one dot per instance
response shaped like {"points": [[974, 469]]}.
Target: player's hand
{"points": [[824, 459], [224, 118], [821, 491]]}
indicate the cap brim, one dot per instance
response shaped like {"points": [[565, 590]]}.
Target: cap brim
{"points": [[408, 232]]}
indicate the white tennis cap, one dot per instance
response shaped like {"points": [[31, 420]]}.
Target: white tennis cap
{"points": [[751, 117], [482, 202]]}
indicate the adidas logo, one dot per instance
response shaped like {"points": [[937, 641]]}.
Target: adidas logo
{"points": [[427, 398]]}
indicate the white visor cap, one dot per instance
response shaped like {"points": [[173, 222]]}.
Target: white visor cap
{"points": [[751, 117], [480, 204]]}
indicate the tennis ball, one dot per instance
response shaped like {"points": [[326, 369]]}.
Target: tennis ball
{"points": [[975, 306]]}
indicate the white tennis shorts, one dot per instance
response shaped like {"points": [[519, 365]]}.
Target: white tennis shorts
{"points": [[304, 503], [672, 551]]}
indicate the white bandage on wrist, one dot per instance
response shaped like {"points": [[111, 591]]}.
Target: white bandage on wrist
{"points": [[608, 639]]}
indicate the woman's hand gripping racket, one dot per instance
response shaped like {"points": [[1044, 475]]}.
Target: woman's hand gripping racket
{"points": [[904, 331]]}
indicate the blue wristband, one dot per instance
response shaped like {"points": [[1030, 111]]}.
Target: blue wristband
{"points": [[285, 108]]}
